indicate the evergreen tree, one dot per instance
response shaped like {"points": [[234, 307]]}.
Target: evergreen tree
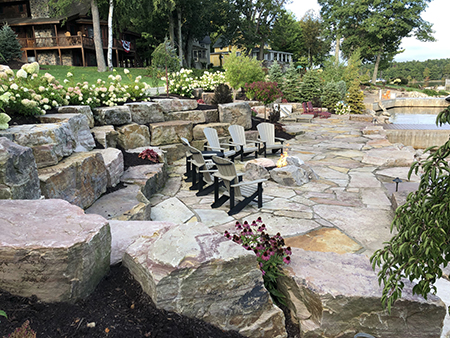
{"points": [[355, 98], [291, 84], [311, 87], [342, 89], [9, 45], [276, 73], [330, 96]]}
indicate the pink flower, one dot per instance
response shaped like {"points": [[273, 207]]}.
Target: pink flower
{"points": [[265, 256], [288, 251], [287, 259]]}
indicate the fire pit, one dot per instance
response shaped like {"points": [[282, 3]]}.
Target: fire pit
{"points": [[288, 170]]}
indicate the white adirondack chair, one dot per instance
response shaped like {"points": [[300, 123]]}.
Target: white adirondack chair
{"points": [[215, 146], [239, 141], [267, 136]]}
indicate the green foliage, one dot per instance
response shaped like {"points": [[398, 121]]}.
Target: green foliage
{"points": [[314, 47], [287, 35], [342, 88], [3, 314], [265, 92], [431, 92], [276, 73], [270, 253], [164, 58], [9, 44], [291, 84], [4, 119], [330, 96], [311, 87], [222, 94], [184, 81], [421, 247], [355, 98], [241, 69]]}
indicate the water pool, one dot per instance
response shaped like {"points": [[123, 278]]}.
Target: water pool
{"points": [[413, 115]]}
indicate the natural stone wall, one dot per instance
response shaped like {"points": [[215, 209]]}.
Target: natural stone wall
{"points": [[150, 178], [195, 271], [169, 132], [51, 249], [18, 172], [133, 136], [47, 58], [145, 112], [116, 116], [39, 9]]}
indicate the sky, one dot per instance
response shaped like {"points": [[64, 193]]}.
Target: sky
{"points": [[436, 13]]}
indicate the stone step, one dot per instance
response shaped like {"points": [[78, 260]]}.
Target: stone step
{"points": [[195, 116], [150, 178], [221, 128], [173, 105], [116, 116], [169, 132]]}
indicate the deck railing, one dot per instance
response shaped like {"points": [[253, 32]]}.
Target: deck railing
{"points": [[67, 41]]}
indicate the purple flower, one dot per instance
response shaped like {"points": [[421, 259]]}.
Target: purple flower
{"points": [[265, 256], [288, 251], [287, 259]]}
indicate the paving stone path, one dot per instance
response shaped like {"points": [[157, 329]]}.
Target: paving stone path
{"points": [[348, 209]]}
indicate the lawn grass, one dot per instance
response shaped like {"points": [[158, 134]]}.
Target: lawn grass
{"points": [[91, 75]]}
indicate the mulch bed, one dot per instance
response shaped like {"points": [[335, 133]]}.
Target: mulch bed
{"points": [[118, 307]]}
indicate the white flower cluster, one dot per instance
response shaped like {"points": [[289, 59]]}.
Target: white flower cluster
{"points": [[183, 82], [342, 109]]}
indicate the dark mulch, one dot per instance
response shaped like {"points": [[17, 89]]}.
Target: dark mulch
{"points": [[118, 307]]}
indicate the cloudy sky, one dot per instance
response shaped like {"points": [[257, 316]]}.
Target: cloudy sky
{"points": [[436, 13]]}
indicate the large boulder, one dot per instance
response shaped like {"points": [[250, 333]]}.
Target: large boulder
{"points": [[79, 179], [145, 112], [172, 105], [84, 110], [133, 136], [195, 116], [18, 172], [113, 159], [51, 249], [197, 272], [53, 141], [221, 128], [116, 115], [333, 295], [106, 136], [238, 113], [170, 132], [151, 178]]}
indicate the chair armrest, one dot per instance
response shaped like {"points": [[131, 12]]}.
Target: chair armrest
{"points": [[208, 171], [248, 182], [208, 147], [280, 139], [225, 178]]}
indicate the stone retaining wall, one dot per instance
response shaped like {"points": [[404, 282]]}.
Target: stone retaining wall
{"points": [[411, 102]]}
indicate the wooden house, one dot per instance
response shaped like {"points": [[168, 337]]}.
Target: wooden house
{"points": [[67, 40]]}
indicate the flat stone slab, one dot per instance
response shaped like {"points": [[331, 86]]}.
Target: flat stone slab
{"points": [[371, 229], [197, 272], [173, 105], [338, 296], [171, 210], [145, 112], [389, 157], [51, 249], [151, 178], [324, 240], [212, 217], [116, 115], [85, 110]]}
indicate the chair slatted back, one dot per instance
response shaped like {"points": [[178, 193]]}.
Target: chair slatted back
{"points": [[199, 161], [266, 133], [237, 134], [213, 138], [227, 172]]}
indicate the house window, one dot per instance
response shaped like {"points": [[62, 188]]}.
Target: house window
{"points": [[238, 53], [21, 8]]}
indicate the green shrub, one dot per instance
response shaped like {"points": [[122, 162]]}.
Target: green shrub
{"points": [[265, 92], [240, 70], [291, 84], [276, 73], [330, 96], [222, 94], [355, 98], [342, 88], [430, 92], [443, 93], [311, 87], [9, 45]]}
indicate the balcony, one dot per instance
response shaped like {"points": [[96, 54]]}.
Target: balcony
{"points": [[67, 42]]}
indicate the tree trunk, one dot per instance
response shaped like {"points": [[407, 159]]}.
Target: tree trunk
{"points": [[110, 35], [261, 51], [338, 44], [101, 65], [171, 30], [189, 47], [180, 39], [375, 70]]}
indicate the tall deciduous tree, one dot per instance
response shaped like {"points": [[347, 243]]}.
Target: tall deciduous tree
{"points": [[314, 47], [377, 27], [257, 18], [287, 35]]}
